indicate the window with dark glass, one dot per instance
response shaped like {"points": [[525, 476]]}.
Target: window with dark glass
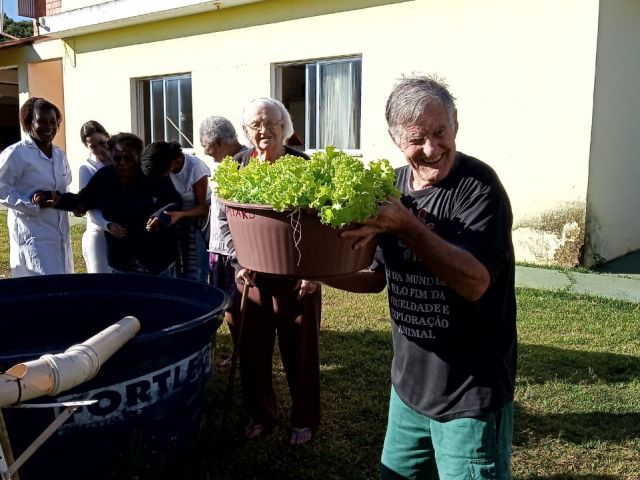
{"points": [[323, 97], [166, 109]]}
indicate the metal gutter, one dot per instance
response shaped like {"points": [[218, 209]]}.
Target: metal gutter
{"points": [[123, 13], [20, 42]]}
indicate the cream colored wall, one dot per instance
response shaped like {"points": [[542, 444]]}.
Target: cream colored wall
{"points": [[45, 81], [614, 195], [20, 57], [522, 72]]}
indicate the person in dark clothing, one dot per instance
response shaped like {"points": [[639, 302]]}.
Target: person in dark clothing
{"points": [[190, 177], [138, 240], [446, 258], [219, 139], [289, 307]]}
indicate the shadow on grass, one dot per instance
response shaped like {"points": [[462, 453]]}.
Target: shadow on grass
{"points": [[572, 477], [355, 385], [541, 363], [355, 380], [577, 428]]}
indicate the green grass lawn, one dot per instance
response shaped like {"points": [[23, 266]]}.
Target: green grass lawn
{"points": [[577, 397]]}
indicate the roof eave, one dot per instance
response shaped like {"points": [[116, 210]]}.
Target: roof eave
{"points": [[126, 13]]}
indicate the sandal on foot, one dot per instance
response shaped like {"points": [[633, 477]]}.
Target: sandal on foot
{"points": [[300, 435], [254, 431], [226, 363]]}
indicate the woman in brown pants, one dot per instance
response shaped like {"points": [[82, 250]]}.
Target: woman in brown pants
{"points": [[287, 307]]}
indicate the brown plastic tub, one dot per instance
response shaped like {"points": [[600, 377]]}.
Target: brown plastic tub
{"points": [[292, 243]]}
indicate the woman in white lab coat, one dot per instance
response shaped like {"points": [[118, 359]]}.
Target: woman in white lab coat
{"points": [[39, 241]]}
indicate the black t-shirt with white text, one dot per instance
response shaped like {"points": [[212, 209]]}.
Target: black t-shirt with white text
{"points": [[452, 357]]}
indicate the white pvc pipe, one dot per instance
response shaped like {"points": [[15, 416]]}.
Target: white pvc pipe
{"points": [[52, 374]]}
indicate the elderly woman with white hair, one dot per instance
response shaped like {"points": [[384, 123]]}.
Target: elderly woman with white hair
{"points": [[289, 307]]}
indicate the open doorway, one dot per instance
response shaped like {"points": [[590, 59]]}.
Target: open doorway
{"points": [[9, 108]]}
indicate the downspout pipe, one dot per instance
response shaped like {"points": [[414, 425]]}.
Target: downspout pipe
{"points": [[52, 374]]}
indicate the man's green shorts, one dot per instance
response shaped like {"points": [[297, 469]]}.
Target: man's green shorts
{"points": [[418, 447]]}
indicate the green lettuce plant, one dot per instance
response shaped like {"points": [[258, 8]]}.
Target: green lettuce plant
{"points": [[338, 186]]}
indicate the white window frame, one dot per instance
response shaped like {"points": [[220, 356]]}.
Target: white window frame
{"points": [[277, 92], [141, 109]]}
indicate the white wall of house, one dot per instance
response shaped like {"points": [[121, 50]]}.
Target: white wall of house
{"points": [[523, 74], [614, 195], [68, 5]]}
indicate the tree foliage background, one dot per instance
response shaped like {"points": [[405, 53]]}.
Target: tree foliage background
{"points": [[20, 29]]}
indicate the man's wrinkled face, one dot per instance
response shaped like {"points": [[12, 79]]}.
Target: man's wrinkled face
{"points": [[429, 145]]}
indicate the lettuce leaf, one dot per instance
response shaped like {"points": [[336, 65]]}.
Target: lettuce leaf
{"points": [[335, 184]]}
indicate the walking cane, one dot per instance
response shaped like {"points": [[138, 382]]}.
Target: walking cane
{"points": [[228, 399]]}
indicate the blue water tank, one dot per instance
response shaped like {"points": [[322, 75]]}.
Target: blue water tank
{"points": [[152, 389]]}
